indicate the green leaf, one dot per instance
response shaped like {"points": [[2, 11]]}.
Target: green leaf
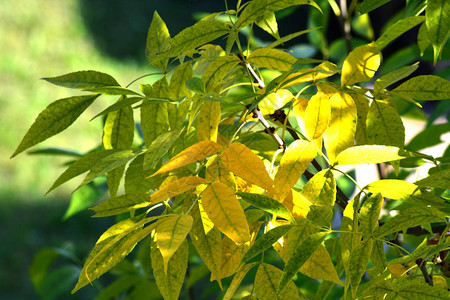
{"points": [[82, 165], [289, 37], [40, 265], [393, 77], [370, 212], [397, 29], [110, 162], [126, 102], [410, 217], [301, 254], [117, 242], [177, 87], [256, 10], [112, 90], [53, 119], [321, 189], [370, 154], [83, 80], [423, 41], [119, 286], [320, 266], [158, 39], [59, 281], [438, 24], [137, 179], [439, 179], [425, 87], [430, 136], [170, 283], [82, 199], [369, 5], [273, 59], [218, 70], [266, 280], [384, 125], [359, 258], [121, 204], [159, 147], [349, 231], [267, 204], [265, 241], [196, 85], [237, 279], [360, 65]]}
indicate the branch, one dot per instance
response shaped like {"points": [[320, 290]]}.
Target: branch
{"points": [[423, 267]]}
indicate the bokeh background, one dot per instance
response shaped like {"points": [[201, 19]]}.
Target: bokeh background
{"points": [[45, 38]]}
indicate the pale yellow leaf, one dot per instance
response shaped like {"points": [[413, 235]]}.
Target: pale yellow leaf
{"points": [[175, 188], [240, 160], [223, 209], [299, 109], [368, 154], [340, 133], [320, 266], [190, 155], [215, 171], [208, 121], [293, 164], [301, 205], [323, 70], [317, 114], [274, 101], [360, 65], [170, 234]]}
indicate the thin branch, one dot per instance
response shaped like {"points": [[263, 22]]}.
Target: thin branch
{"points": [[423, 267]]}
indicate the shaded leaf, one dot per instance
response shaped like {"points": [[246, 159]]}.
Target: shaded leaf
{"points": [[438, 24], [189, 155], [180, 76], [369, 5], [224, 210], [273, 59], [321, 189], [394, 76], [237, 279], [267, 204], [175, 188], [196, 85], [369, 214], [440, 179], [425, 87], [126, 102], [158, 38], [266, 282], [112, 90], [360, 65], [397, 29], [121, 204], [53, 119], [83, 80], [159, 147], [359, 258], [320, 266], [218, 69]]}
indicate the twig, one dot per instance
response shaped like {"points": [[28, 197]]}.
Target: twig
{"points": [[423, 267]]}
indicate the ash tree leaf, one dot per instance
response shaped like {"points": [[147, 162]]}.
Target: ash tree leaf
{"points": [[169, 280], [320, 266], [410, 217], [112, 90], [265, 241], [359, 258], [274, 101], [189, 155], [83, 80], [208, 121], [392, 188], [293, 164], [369, 214], [80, 166], [369, 5], [360, 65], [424, 87], [112, 246], [121, 204], [266, 281], [267, 204], [217, 70], [423, 41], [53, 119], [224, 210], [272, 59], [178, 81], [196, 85], [368, 154], [159, 147], [397, 29], [240, 160], [393, 77], [317, 115], [171, 232], [126, 102], [237, 279], [340, 133], [158, 39], [301, 254], [176, 187], [321, 189], [438, 24], [439, 179]]}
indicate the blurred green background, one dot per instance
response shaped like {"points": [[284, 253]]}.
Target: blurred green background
{"points": [[45, 38]]}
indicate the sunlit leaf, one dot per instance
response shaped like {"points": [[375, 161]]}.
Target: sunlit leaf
{"points": [[321, 189], [170, 278], [340, 133], [158, 39], [393, 77], [266, 282], [175, 188], [83, 80], [360, 65], [208, 121], [53, 119], [190, 155], [320, 266], [271, 58], [244, 163], [267, 204], [425, 87], [269, 24], [223, 208], [368, 154], [362, 109], [171, 232], [438, 24], [397, 29], [274, 101], [293, 164], [317, 115]]}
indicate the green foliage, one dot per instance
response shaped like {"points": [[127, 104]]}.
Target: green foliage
{"points": [[200, 182]]}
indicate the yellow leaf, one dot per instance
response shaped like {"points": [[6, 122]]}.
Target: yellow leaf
{"points": [[215, 171], [299, 109], [320, 266], [340, 133], [175, 188], [274, 101], [360, 65], [397, 270], [362, 108], [368, 154], [170, 234], [301, 205], [321, 189], [208, 121], [190, 155], [294, 162], [266, 283], [244, 163], [224, 210], [323, 70], [317, 115], [231, 257]]}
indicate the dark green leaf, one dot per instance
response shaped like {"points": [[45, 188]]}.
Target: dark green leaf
{"points": [[82, 199], [369, 5], [397, 29], [159, 147], [121, 204], [196, 85], [267, 204]]}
